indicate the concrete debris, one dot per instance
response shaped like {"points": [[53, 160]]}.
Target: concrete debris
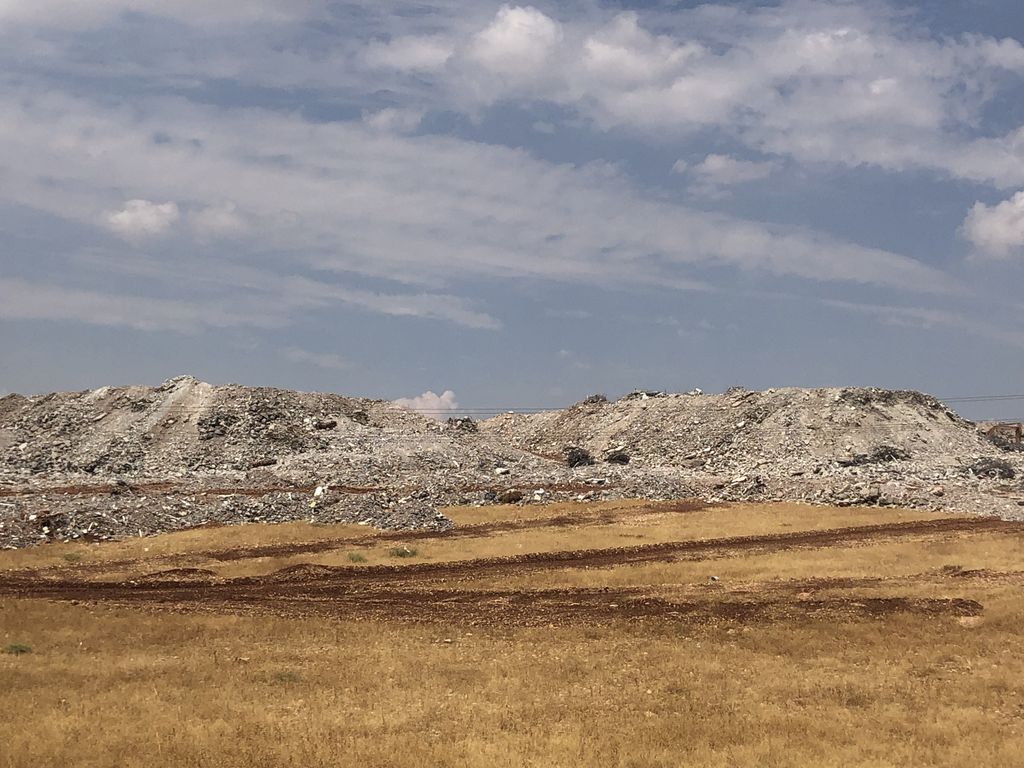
{"points": [[829, 446], [878, 455], [115, 462], [577, 457], [992, 467], [617, 456]]}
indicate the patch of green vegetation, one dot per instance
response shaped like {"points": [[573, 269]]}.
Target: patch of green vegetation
{"points": [[402, 552], [356, 557], [18, 649]]}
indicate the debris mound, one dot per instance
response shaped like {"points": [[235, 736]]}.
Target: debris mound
{"points": [[577, 457], [129, 461], [839, 446]]}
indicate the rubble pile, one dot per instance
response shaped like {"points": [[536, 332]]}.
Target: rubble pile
{"points": [[836, 446], [112, 462], [115, 462]]}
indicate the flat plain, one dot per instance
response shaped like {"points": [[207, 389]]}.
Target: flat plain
{"points": [[625, 633]]}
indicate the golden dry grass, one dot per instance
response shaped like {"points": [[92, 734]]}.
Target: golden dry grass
{"points": [[107, 686]]}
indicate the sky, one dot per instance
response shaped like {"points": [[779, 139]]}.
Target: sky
{"points": [[510, 205]]}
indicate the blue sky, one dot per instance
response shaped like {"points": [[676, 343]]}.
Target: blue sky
{"points": [[523, 204]]}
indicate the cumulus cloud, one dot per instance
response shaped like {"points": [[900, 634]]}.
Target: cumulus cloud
{"points": [[431, 404], [997, 230], [821, 82], [139, 219], [516, 45], [623, 55]]}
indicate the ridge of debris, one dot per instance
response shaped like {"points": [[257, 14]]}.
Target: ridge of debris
{"points": [[119, 461]]}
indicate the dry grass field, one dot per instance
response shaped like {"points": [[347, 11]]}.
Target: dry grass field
{"points": [[615, 634]]}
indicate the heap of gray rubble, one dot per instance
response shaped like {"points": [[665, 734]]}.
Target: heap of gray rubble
{"points": [[114, 462]]}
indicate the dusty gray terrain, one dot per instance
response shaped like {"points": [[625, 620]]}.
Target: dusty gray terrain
{"points": [[124, 461]]}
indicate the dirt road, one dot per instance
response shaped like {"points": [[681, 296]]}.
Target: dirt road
{"points": [[444, 591]]}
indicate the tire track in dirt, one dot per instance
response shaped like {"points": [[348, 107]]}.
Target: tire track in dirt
{"points": [[491, 608], [472, 530], [695, 549], [404, 593]]}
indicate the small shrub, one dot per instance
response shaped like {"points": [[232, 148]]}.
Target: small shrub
{"points": [[402, 552], [18, 649], [73, 557], [286, 676], [356, 557]]}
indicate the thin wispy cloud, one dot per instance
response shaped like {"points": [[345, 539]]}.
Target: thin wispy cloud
{"points": [[462, 182]]}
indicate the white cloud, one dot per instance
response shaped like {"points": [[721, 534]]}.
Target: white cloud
{"points": [[422, 209], [842, 83], [716, 172], [845, 83], [304, 292], [725, 170], [431, 404], [517, 44], [32, 300], [623, 55], [62, 13], [997, 230], [218, 220], [140, 219], [408, 53], [927, 318], [327, 360], [394, 120]]}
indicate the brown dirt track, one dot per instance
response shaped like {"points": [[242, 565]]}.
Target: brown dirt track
{"points": [[443, 591]]}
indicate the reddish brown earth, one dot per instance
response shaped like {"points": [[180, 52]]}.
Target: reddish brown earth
{"points": [[443, 591]]}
